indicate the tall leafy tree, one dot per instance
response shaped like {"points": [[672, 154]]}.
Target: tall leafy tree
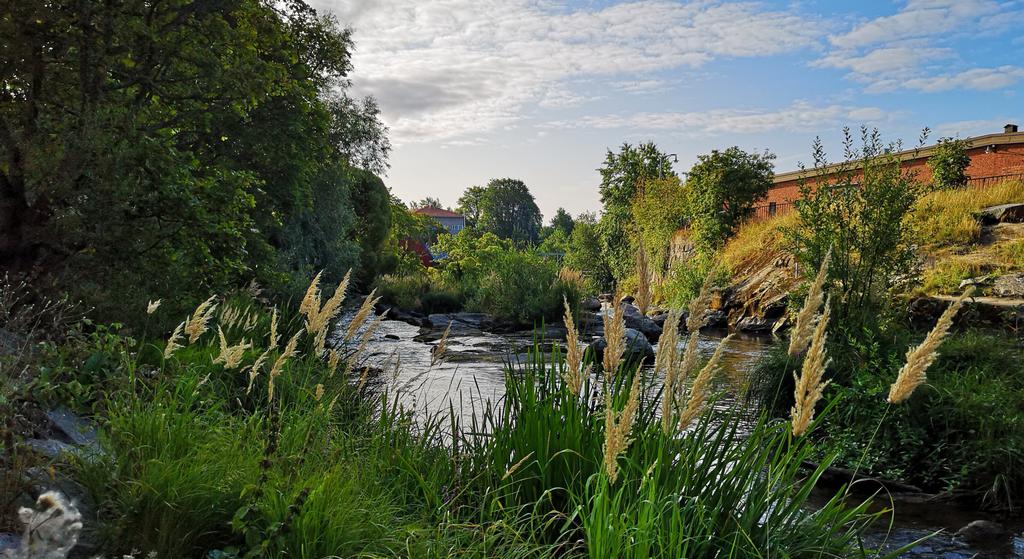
{"points": [[428, 202], [563, 222], [949, 163], [584, 252], [721, 190], [622, 176], [470, 204], [509, 211]]}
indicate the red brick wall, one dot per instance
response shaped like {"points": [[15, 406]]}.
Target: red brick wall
{"points": [[1003, 160]]}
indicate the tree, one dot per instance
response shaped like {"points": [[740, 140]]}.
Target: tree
{"points": [[428, 202], [371, 204], [469, 204], [658, 212], [509, 211], [622, 176], [721, 190], [584, 252], [563, 222], [949, 163]]}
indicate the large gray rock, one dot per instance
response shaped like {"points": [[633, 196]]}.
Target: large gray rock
{"points": [[638, 321], [78, 431], [637, 346], [1005, 213], [592, 304], [1011, 285], [984, 533]]}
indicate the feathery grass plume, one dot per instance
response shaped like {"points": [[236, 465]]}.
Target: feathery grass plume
{"points": [[200, 320], [230, 356], [643, 288], [310, 304], [52, 528], [516, 466], [229, 316], [251, 320], [321, 319], [332, 362], [256, 366], [617, 427], [702, 387], [275, 371], [687, 362], [174, 342], [364, 311], [615, 338], [273, 328], [803, 329], [700, 303], [153, 306], [362, 378], [665, 360], [573, 375], [320, 342], [319, 392], [363, 340], [437, 354], [809, 386], [919, 358]]}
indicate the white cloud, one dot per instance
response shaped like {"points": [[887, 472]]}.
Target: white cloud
{"points": [[452, 68], [800, 116], [980, 79], [919, 18]]}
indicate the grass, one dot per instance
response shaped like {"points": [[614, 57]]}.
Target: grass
{"points": [[946, 217], [196, 464], [756, 238]]}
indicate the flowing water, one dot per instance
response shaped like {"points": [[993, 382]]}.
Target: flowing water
{"points": [[473, 372]]}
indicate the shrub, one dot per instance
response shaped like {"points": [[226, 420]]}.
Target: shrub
{"points": [[949, 164]]}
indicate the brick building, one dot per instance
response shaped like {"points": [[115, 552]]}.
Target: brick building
{"points": [[994, 157]]}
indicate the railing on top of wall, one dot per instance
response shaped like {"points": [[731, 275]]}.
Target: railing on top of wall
{"points": [[765, 211]]}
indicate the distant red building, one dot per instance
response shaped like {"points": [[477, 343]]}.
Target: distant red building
{"points": [[994, 157], [451, 221]]}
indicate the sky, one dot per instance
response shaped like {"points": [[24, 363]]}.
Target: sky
{"points": [[539, 90]]}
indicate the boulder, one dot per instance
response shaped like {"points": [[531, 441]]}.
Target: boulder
{"points": [[984, 533], [1011, 285], [975, 282], [715, 319], [591, 304], [638, 321], [1004, 213], [637, 346], [77, 430], [755, 325]]}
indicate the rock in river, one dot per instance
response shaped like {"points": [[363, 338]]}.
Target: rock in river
{"points": [[637, 346]]}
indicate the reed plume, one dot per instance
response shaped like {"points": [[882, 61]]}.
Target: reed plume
{"points": [[920, 357], [311, 300], [333, 357], [230, 356], [229, 315], [687, 362], [700, 303], [319, 392], [273, 328], [617, 427], [573, 375], [665, 360], [254, 371], [364, 340], [275, 371], [200, 320], [153, 306], [615, 338], [319, 318], [804, 327], [251, 320], [174, 342], [319, 342], [809, 385], [364, 311], [437, 354], [701, 387]]}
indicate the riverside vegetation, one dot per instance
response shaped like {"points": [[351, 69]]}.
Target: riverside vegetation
{"points": [[250, 433]]}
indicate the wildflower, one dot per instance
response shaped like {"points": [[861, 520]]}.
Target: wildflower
{"points": [[701, 387], [573, 375], [617, 427], [153, 306], [615, 336], [809, 386], [198, 323], [802, 330], [919, 358], [174, 342]]}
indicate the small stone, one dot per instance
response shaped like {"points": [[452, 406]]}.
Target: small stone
{"points": [[984, 533], [79, 431]]}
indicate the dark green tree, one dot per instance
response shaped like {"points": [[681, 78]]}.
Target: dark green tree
{"points": [[622, 176], [428, 202], [563, 222], [585, 252], [721, 190], [949, 163], [470, 204], [509, 211], [371, 203]]}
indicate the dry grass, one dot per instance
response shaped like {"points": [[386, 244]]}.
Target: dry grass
{"points": [[702, 387], [754, 239], [946, 217], [643, 282], [920, 357], [801, 335], [573, 375], [617, 427], [615, 336], [200, 320], [809, 385]]}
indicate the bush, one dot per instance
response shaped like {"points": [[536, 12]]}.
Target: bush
{"points": [[949, 164]]}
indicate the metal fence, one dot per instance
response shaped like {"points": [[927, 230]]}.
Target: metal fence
{"points": [[772, 209]]}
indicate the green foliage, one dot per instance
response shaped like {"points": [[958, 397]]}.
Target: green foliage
{"points": [[371, 204], [949, 163], [721, 190], [563, 222], [622, 175], [658, 212], [428, 202], [685, 279], [470, 204], [859, 211], [585, 252], [508, 210], [556, 242], [164, 151]]}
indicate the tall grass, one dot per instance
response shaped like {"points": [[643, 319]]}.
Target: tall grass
{"points": [[947, 216]]}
